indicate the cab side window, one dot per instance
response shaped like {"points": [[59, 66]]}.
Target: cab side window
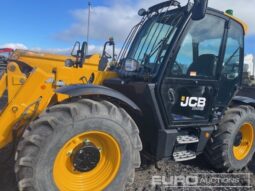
{"points": [[234, 48], [231, 68], [200, 49]]}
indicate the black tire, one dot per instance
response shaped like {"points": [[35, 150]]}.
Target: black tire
{"points": [[219, 151], [41, 142]]}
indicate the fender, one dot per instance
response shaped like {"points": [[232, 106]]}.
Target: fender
{"points": [[96, 90], [243, 100]]}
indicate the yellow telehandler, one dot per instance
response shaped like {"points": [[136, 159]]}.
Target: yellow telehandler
{"points": [[29, 74], [79, 123]]}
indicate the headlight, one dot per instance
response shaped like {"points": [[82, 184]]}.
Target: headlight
{"points": [[131, 65]]}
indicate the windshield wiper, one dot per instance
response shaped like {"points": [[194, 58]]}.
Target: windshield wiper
{"points": [[160, 44]]}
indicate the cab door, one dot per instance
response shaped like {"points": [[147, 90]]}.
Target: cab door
{"points": [[231, 73], [190, 83]]}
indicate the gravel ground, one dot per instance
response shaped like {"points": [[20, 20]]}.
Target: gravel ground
{"points": [[144, 176], [170, 168]]}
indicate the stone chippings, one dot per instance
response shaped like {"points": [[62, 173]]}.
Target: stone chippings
{"points": [[144, 175]]}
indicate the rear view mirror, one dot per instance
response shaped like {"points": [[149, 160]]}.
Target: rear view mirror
{"points": [[79, 52], [76, 48], [199, 9], [84, 49]]}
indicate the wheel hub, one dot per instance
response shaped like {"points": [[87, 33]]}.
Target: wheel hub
{"points": [[92, 171], [244, 141], [85, 157]]}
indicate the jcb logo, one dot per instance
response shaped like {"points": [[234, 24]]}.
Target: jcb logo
{"points": [[194, 102]]}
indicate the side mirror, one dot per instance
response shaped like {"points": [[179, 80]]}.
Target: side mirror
{"points": [[84, 49], [110, 42], [76, 48], [79, 52], [82, 54], [199, 9]]}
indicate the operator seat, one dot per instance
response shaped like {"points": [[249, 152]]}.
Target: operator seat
{"points": [[205, 65]]}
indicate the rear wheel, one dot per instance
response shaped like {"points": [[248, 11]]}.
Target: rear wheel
{"points": [[232, 146], [81, 146]]}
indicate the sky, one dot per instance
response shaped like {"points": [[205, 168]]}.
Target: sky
{"points": [[54, 25]]}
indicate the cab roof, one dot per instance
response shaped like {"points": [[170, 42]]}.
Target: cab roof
{"points": [[242, 23], [245, 26]]}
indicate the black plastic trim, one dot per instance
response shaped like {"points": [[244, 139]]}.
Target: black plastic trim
{"points": [[91, 90], [203, 139], [164, 138], [243, 100]]}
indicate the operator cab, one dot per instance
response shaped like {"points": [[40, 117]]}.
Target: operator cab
{"points": [[194, 54], [182, 65]]}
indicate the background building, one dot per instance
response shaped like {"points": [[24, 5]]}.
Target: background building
{"points": [[249, 64]]}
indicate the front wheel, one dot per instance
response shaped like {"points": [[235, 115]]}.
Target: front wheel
{"points": [[232, 146], [80, 146]]}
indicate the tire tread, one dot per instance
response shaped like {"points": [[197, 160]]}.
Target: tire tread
{"points": [[51, 120]]}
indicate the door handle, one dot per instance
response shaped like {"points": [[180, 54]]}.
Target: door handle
{"points": [[171, 96]]}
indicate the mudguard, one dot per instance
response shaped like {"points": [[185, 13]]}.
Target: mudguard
{"points": [[90, 90], [244, 100]]}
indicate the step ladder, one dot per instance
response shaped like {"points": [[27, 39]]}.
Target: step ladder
{"points": [[187, 139], [180, 156], [185, 155]]}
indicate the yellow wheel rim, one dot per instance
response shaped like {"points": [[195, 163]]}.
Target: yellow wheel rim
{"points": [[246, 143], [68, 179]]}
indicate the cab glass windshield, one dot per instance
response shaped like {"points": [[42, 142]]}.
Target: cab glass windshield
{"points": [[152, 41]]}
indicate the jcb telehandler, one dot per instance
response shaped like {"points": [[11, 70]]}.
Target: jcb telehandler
{"points": [[74, 127]]}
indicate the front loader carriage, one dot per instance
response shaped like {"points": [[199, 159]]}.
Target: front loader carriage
{"points": [[79, 123]]}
